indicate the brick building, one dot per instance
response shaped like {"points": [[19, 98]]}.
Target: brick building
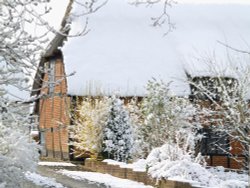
{"points": [[208, 93], [122, 53], [51, 107]]}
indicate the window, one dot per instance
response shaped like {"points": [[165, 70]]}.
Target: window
{"points": [[51, 75], [214, 143], [42, 138], [42, 142]]}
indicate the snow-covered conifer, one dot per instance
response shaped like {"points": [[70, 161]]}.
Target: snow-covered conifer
{"points": [[118, 138]]}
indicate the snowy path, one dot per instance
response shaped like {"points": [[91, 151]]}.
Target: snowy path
{"points": [[55, 175], [66, 181], [106, 179], [67, 175]]}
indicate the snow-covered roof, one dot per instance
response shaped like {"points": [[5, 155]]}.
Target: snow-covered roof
{"points": [[122, 51]]}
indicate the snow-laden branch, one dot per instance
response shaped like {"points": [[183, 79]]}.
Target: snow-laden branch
{"points": [[228, 111]]}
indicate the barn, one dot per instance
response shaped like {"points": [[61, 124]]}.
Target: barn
{"points": [[120, 51]]}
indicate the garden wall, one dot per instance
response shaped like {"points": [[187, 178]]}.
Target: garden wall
{"points": [[127, 173]]}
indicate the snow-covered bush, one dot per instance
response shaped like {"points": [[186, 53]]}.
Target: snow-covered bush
{"points": [[167, 119], [87, 132], [118, 138], [162, 161], [18, 153], [19, 53], [172, 162]]}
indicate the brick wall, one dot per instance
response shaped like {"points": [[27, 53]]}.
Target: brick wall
{"points": [[54, 117], [233, 159], [127, 173]]}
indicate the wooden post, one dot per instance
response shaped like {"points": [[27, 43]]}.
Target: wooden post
{"points": [[60, 118], [59, 128], [68, 115], [248, 165], [43, 110], [53, 144]]}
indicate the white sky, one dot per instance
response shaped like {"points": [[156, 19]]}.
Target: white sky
{"points": [[57, 12], [215, 1], [59, 6], [54, 18]]}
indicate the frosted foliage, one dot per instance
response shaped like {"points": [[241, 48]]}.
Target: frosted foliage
{"points": [[167, 119], [161, 160], [229, 111], [135, 114], [118, 138], [17, 152], [184, 167], [89, 125], [19, 48], [19, 52]]}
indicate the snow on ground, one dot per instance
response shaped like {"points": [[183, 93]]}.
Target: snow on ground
{"points": [[108, 180], [219, 178], [42, 181], [55, 164], [139, 165], [193, 173], [199, 176], [184, 167], [230, 179]]}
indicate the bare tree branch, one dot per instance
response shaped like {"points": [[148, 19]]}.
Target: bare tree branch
{"points": [[234, 49], [164, 17]]}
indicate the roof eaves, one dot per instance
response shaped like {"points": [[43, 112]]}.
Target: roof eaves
{"points": [[51, 49]]}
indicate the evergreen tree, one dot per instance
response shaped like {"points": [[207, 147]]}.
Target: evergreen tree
{"points": [[118, 139]]}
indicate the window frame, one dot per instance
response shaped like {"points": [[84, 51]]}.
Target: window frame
{"points": [[214, 143], [51, 76]]}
